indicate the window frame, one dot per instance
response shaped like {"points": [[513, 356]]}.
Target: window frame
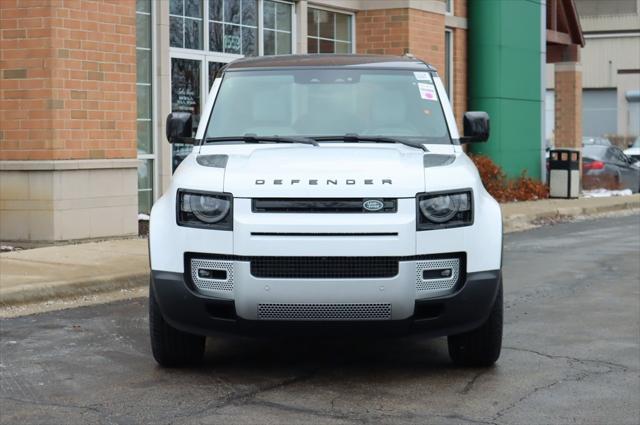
{"points": [[449, 65], [205, 38], [153, 156], [228, 57], [352, 17], [449, 7], [261, 28]]}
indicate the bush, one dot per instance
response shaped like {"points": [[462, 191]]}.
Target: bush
{"points": [[503, 189]]}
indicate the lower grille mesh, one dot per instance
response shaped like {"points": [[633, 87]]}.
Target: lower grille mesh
{"points": [[324, 267], [324, 311]]}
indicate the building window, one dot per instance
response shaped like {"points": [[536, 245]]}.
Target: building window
{"points": [[276, 19], [449, 7], [185, 23], [448, 63], [233, 26], [329, 32], [216, 32], [145, 105]]}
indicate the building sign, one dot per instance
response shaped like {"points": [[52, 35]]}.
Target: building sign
{"points": [[232, 43]]}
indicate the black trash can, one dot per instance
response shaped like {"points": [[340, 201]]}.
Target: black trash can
{"points": [[564, 173]]}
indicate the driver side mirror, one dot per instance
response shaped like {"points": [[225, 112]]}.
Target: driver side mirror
{"points": [[476, 127], [179, 128]]}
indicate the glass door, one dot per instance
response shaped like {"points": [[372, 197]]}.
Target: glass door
{"points": [[186, 96], [191, 82]]}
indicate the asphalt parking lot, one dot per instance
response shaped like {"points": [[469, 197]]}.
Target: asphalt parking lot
{"points": [[571, 355]]}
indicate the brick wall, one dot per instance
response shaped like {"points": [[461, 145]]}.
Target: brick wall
{"points": [[460, 8], [397, 31], [426, 37], [382, 31], [67, 89]]}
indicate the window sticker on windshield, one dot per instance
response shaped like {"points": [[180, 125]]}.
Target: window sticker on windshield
{"points": [[427, 91], [422, 76]]}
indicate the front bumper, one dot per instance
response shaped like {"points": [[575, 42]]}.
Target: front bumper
{"points": [[464, 309]]}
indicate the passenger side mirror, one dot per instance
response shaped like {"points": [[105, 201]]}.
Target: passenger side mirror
{"points": [[476, 127], [179, 128]]}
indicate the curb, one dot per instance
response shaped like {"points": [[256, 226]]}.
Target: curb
{"points": [[519, 222], [32, 294]]}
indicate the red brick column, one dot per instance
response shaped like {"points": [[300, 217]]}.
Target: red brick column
{"points": [[67, 89], [568, 105]]}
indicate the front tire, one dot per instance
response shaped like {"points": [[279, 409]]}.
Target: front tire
{"points": [[170, 346], [481, 346]]}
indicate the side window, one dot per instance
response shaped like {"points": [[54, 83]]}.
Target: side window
{"points": [[609, 155], [619, 155]]}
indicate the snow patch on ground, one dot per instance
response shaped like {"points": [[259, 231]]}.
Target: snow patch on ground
{"points": [[605, 193], [8, 248]]}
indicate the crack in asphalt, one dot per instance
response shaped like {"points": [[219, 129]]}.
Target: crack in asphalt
{"points": [[578, 377], [308, 411], [241, 398], [471, 382], [368, 417], [571, 359], [50, 404]]}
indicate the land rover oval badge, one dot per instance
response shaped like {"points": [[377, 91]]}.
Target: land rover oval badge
{"points": [[372, 205]]}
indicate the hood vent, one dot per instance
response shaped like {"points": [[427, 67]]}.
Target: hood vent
{"points": [[215, 161], [438, 160]]}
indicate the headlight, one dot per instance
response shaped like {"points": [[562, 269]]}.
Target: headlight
{"points": [[442, 210], [203, 209]]}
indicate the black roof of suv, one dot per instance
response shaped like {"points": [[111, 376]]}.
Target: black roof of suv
{"points": [[331, 60]]}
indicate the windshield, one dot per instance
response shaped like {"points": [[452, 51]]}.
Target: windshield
{"points": [[329, 102]]}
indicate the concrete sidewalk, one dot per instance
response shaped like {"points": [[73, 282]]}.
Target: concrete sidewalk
{"points": [[68, 271]]}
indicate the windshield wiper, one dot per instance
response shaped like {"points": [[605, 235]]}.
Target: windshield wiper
{"points": [[252, 138], [375, 139]]}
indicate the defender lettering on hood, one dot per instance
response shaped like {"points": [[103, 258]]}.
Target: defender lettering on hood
{"points": [[316, 182]]}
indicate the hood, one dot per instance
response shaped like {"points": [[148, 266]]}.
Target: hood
{"points": [[326, 171]]}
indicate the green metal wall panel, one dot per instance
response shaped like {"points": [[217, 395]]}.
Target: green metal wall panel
{"points": [[505, 55]]}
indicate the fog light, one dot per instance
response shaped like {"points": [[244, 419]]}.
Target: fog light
{"points": [[212, 274], [436, 273]]}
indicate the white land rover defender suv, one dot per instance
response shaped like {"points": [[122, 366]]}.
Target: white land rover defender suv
{"points": [[330, 194]]}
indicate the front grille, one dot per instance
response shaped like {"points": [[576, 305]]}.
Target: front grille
{"points": [[436, 284], [214, 284], [324, 311], [321, 205], [324, 267]]}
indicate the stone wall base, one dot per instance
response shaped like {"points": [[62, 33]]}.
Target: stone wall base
{"points": [[64, 200]]}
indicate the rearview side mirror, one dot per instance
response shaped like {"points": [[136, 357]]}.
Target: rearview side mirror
{"points": [[179, 128], [476, 127]]}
